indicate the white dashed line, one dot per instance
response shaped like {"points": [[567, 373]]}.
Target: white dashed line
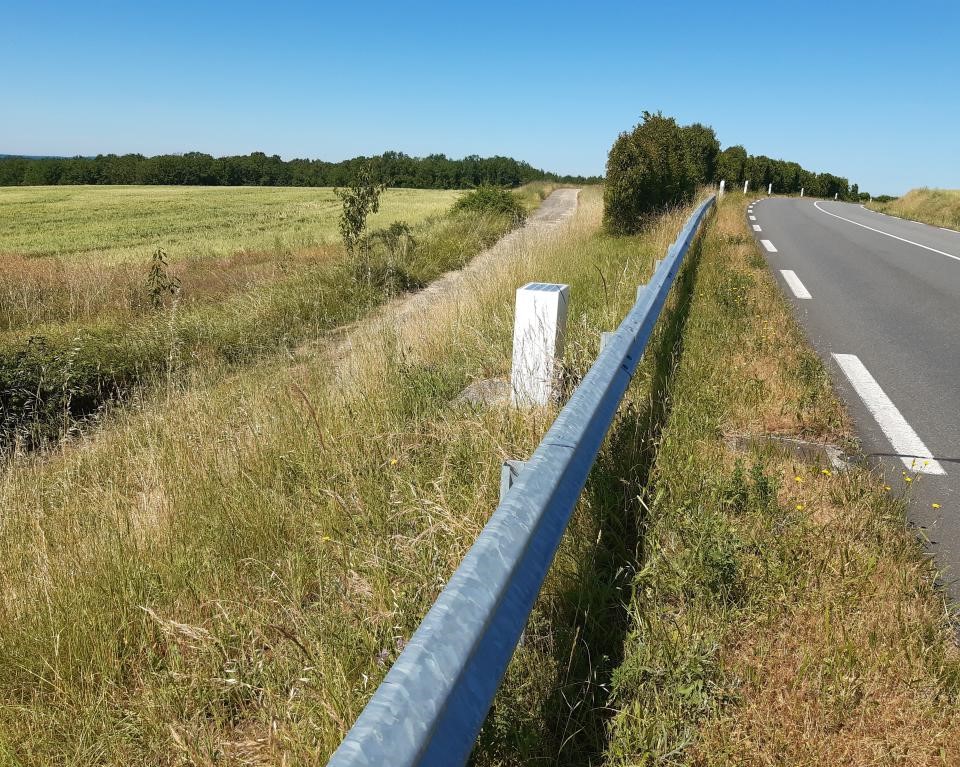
{"points": [[887, 234], [798, 288], [753, 218], [769, 246], [904, 439], [756, 228]]}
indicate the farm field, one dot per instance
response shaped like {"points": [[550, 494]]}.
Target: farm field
{"points": [[109, 225], [87, 314]]}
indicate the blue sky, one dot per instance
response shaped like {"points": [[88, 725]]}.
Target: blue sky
{"points": [[866, 90]]}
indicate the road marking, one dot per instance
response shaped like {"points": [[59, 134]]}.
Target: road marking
{"points": [[753, 218], [798, 288], [906, 443], [756, 228], [948, 229], [880, 231], [769, 246]]}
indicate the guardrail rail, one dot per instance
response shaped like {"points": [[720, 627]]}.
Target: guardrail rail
{"points": [[432, 703]]}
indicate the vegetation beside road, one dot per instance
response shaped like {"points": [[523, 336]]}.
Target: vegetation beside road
{"points": [[938, 207], [782, 612], [84, 331], [660, 163]]}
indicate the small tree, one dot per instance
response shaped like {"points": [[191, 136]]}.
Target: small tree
{"points": [[359, 200], [160, 283]]}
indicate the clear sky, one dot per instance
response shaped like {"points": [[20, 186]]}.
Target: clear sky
{"points": [[870, 91]]}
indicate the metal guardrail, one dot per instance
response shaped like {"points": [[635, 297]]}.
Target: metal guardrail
{"points": [[432, 703]]}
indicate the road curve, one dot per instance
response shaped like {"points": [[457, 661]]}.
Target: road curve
{"points": [[879, 298]]}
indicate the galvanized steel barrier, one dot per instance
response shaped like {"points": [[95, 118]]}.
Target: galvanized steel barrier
{"points": [[430, 706]]}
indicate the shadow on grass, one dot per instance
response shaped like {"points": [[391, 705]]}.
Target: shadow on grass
{"points": [[589, 623]]}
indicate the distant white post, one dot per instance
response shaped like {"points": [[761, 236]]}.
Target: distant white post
{"points": [[746, 185], [538, 331], [723, 183], [769, 188], [835, 195], [801, 191]]}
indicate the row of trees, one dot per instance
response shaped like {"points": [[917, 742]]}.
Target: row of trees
{"points": [[393, 168], [661, 163]]}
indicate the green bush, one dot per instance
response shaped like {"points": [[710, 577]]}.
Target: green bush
{"points": [[648, 169], [492, 200]]}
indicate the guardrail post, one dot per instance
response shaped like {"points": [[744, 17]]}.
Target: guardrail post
{"points": [[538, 330]]}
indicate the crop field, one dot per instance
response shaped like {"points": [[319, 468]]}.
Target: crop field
{"points": [[107, 225]]}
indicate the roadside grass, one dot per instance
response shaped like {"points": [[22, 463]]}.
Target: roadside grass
{"points": [[782, 612], [73, 352], [225, 573], [939, 207]]}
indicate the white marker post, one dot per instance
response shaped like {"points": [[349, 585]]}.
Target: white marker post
{"points": [[538, 331], [801, 191], [723, 183], [835, 195], [769, 188], [746, 185]]}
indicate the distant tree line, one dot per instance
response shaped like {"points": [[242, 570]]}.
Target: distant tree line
{"points": [[395, 169], [660, 163]]}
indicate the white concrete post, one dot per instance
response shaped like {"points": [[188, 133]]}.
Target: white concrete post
{"points": [[801, 191], [835, 195], [723, 183], [769, 188], [746, 185], [538, 331]]}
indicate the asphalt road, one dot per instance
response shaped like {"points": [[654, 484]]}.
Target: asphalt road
{"points": [[879, 298]]}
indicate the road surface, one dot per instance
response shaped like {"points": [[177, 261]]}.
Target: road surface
{"points": [[879, 297]]}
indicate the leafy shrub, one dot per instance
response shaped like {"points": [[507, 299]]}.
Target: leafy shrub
{"points": [[492, 200], [885, 198], [647, 170]]}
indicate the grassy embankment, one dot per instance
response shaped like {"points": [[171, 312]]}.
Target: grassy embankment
{"points": [[225, 575], [783, 613], [939, 207], [258, 270]]}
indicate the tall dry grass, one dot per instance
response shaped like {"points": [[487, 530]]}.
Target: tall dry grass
{"points": [[939, 207]]}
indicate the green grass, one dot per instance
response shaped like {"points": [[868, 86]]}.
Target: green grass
{"points": [[939, 207], [108, 225], [73, 345], [226, 572], [781, 612]]}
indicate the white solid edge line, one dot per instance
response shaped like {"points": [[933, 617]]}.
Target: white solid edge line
{"points": [[798, 288], [906, 443], [771, 248], [756, 228], [880, 231]]}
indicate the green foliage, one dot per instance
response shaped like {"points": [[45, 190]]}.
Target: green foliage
{"points": [[491, 200], [702, 151], [397, 169], [885, 198], [648, 169], [359, 200], [161, 285]]}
